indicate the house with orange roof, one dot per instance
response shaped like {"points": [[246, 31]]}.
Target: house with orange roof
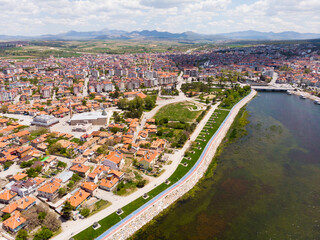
{"points": [[7, 196], [159, 144], [89, 187], [97, 173], [149, 159], [19, 176], [115, 173], [151, 120], [114, 160], [79, 160], [10, 208], [151, 128], [39, 181], [15, 222], [81, 169], [22, 133], [9, 158], [23, 151], [97, 159], [3, 122], [78, 198], [50, 190], [21, 204], [109, 185]]}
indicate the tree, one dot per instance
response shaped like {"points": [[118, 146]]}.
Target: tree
{"points": [[55, 148], [6, 216], [42, 215], [114, 129], [70, 184], [7, 164], [116, 117], [141, 183], [32, 173], [84, 102], [75, 177], [61, 164], [123, 103], [116, 94], [43, 234], [4, 108], [22, 235], [52, 222], [149, 103], [62, 192], [85, 212], [66, 210]]}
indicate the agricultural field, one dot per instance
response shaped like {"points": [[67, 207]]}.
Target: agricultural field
{"points": [[44, 49]]}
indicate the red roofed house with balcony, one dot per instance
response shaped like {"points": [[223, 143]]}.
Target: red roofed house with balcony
{"points": [[114, 160]]}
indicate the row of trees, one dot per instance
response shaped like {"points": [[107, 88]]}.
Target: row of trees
{"points": [[233, 95], [135, 107]]}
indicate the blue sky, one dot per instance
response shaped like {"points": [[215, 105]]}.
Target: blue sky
{"points": [[35, 17]]}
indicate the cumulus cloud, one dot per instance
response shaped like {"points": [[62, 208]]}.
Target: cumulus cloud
{"points": [[34, 17]]}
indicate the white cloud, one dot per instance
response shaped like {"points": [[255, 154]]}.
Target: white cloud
{"points": [[34, 17]]}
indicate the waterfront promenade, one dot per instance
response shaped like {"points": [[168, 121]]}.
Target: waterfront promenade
{"points": [[130, 224]]}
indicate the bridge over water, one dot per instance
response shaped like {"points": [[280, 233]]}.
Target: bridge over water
{"points": [[272, 88]]}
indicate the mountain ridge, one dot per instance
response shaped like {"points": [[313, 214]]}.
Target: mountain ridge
{"points": [[113, 34]]}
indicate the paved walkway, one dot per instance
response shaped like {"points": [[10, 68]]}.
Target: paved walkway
{"points": [[71, 228], [126, 227]]}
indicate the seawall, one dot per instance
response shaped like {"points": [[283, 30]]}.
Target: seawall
{"points": [[128, 226]]}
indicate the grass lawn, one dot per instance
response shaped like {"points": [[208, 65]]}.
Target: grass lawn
{"points": [[100, 205], [112, 219], [124, 189], [178, 112], [206, 134]]}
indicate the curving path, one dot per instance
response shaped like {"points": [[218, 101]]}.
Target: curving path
{"points": [[207, 152]]}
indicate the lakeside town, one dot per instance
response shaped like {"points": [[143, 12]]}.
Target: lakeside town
{"points": [[79, 133]]}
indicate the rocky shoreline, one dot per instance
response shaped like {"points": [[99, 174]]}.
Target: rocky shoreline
{"points": [[151, 211]]}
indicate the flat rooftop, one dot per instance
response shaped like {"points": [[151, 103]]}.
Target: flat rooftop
{"points": [[88, 115]]}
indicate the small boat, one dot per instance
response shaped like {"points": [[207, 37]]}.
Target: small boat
{"points": [[302, 96], [317, 102], [289, 93]]}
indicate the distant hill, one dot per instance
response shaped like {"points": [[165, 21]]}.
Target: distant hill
{"points": [[256, 35], [156, 35]]}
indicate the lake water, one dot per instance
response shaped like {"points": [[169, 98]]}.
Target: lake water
{"points": [[266, 185]]}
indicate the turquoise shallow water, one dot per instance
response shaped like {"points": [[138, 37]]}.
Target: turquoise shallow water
{"points": [[266, 184]]}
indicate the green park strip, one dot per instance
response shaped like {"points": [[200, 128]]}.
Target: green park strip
{"points": [[178, 112], [191, 157]]}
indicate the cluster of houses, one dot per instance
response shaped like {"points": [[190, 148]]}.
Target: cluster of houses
{"points": [[296, 64], [66, 77], [97, 169]]}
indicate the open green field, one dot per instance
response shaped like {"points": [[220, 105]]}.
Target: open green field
{"points": [[178, 112], [190, 158], [43, 49]]}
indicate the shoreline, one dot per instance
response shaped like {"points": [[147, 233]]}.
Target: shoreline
{"points": [[133, 222], [307, 95]]}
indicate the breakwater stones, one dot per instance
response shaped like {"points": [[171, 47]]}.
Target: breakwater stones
{"points": [[152, 210]]}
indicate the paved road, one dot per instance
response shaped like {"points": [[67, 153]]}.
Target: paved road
{"points": [[85, 87], [23, 119], [206, 156], [16, 99], [70, 228], [274, 78], [160, 104]]}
